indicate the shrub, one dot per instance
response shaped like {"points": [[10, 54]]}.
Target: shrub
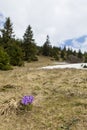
{"points": [[4, 60], [15, 54]]}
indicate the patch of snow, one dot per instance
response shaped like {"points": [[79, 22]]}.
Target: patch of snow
{"points": [[76, 66]]}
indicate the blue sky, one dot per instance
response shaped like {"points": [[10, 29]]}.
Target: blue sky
{"points": [[76, 43], [65, 21]]}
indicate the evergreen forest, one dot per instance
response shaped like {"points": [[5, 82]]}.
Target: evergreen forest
{"points": [[15, 52]]}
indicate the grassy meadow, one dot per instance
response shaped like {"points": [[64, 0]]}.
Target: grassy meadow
{"points": [[60, 98]]}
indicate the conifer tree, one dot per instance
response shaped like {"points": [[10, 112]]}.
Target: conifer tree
{"points": [[16, 55], [47, 47], [80, 54], [29, 45], [74, 53], [85, 57], [10, 44], [55, 53], [4, 60], [7, 31], [63, 54]]}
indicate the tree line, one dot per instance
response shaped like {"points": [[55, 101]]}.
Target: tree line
{"points": [[14, 52]]}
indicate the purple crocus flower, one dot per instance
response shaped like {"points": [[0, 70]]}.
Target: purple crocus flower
{"points": [[27, 100]]}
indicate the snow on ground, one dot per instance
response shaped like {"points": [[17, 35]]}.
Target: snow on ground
{"points": [[76, 66]]}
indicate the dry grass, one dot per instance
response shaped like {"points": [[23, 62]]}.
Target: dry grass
{"points": [[60, 98]]}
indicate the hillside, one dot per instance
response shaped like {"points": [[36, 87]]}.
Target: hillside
{"points": [[60, 97]]}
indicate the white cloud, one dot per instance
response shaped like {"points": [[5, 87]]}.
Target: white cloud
{"points": [[60, 19], [82, 46], [76, 45]]}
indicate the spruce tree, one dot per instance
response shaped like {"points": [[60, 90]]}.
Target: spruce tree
{"points": [[10, 44], [85, 57], [80, 54], [55, 53], [7, 32], [47, 47], [29, 46], [63, 54], [74, 53]]}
